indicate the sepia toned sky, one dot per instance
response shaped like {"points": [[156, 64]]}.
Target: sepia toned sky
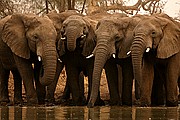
{"points": [[172, 8]]}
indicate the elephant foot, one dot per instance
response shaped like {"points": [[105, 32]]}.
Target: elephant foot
{"points": [[50, 102], [90, 105], [99, 102], [126, 103], [18, 102], [32, 102], [5, 102], [171, 103]]}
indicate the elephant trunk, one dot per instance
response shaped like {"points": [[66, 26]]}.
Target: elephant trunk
{"points": [[101, 56], [49, 63], [72, 34], [138, 48]]}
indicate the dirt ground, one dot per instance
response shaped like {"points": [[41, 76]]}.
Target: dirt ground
{"points": [[61, 85]]}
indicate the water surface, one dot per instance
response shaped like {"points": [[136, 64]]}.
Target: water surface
{"points": [[84, 113]]}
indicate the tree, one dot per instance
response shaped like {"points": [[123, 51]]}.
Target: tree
{"points": [[152, 6], [6, 8]]}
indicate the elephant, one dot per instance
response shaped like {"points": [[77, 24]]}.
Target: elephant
{"points": [[114, 39], [28, 39], [156, 48], [57, 19], [77, 42]]}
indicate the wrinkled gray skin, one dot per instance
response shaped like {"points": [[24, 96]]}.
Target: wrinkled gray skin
{"points": [[161, 35], [23, 39], [78, 41], [114, 38]]}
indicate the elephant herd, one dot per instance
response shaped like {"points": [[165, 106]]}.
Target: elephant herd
{"points": [[143, 48]]}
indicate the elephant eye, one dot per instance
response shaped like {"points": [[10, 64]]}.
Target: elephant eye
{"points": [[35, 37], [153, 34]]}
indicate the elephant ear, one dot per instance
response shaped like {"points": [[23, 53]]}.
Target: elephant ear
{"points": [[169, 44], [13, 34], [58, 18], [89, 43], [125, 45], [61, 47]]}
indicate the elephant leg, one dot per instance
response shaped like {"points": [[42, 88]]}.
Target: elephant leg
{"points": [[81, 86], [72, 79], [26, 71], [40, 89], [127, 83], [147, 82], [158, 91], [17, 87], [171, 82], [52, 87], [66, 94], [111, 71], [4, 97]]}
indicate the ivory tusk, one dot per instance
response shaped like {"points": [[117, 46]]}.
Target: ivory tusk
{"points": [[148, 49], [114, 56], [128, 52], [82, 36], [59, 60], [39, 58], [63, 38], [90, 56]]}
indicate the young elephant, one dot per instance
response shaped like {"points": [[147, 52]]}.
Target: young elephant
{"points": [[156, 45], [77, 42], [27, 39], [114, 38]]}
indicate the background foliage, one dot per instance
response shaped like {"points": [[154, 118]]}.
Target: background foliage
{"points": [[39, 7]]}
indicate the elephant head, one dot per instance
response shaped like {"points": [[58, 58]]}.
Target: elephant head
{"points": [[26, 34], [154, 33], [114, 38], [77, 33]]}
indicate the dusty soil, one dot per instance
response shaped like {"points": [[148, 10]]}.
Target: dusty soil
{"points": [[61, 85]]}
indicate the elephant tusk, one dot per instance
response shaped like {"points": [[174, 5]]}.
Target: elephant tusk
{"points": [[63, 38], [39, 58], [148, 49], [59, 60], [83, 36], [114, 56], [128, 52], [90, 56]]}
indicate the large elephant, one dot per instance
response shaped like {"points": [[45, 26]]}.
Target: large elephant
{"points": [[27, 39], [114, 38], [77, 42], [156, 48], [58, 19]]}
